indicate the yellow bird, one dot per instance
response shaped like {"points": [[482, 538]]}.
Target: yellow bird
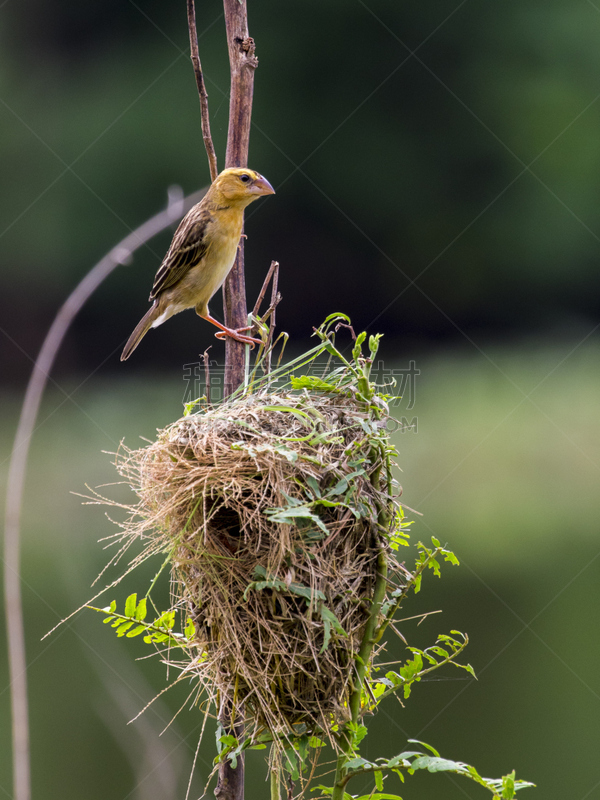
{"points": [[202, 253]]}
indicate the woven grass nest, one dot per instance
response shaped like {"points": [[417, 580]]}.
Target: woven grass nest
{"points": [[269, 508]]}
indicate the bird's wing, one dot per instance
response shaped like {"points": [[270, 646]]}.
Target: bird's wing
{"points": [[188, 247]]}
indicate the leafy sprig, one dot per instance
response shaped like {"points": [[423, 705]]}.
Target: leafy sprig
{"points": [[132, 623], [409, 762]]}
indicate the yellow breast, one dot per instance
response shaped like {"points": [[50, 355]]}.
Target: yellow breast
{"points": [[201, 282]]}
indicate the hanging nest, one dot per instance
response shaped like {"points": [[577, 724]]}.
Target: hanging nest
{"points": [[271, 510], [278, 514]]}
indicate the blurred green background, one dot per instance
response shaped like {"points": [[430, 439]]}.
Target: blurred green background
{"points": [[436, 168]]}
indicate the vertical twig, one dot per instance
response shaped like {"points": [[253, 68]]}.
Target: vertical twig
{"points": [[242, 62], [230, 785], [206, 362], [275, 783], [195, 56]]}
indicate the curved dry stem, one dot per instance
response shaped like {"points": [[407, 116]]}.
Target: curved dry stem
{"points": [[121, 254]]}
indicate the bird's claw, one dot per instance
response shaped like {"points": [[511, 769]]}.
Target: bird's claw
{"points": [[235, 333]]}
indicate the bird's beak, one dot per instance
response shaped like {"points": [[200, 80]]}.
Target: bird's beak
{"points": [[262, 186]]}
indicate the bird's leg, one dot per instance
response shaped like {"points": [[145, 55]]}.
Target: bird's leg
{"points": [[234, 333]]}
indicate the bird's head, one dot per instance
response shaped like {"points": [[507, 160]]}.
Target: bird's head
{"points": [[240, 186]]}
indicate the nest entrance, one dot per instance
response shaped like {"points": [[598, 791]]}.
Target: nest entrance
{"points": [[268, 508]]}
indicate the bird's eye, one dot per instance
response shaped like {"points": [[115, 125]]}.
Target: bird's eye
{"points": [[245, 178]]}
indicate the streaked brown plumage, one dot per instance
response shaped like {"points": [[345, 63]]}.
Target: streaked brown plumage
{"points": [[202, 253]]}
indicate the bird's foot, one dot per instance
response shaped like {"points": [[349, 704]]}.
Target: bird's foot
{"points": [[236, 333]]}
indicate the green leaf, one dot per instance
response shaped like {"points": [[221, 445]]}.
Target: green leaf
{"points": [[439, 651], [166, 620], [328, 791], [188, 408], [374, 344], [313, 383], [314, 485], [288, 516], [357, 349], [301, 415], [434, 764], [356, 764], [343, 484], [190, 629], [140, 611], [424, 744], [322, 501], [376, 796], [227, 740], [412, 667], [329, 620], [326, 636], [399, 759], [358, 733], [281, 586], [315, 742], [124, 627], [335, 317], [287, 452], [130, 605], [508, 786], [378, 780], [290, 763], [136, 631], [340, 487], [306, 592]]}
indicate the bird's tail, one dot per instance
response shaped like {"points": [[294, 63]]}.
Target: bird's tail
{"points": [[141, 329]]}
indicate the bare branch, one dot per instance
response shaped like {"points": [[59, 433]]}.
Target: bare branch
{"points": [[230, 784], [272, 274], [206, 362], [242, 62], [195, 56], [275, 300], [261, 296]]}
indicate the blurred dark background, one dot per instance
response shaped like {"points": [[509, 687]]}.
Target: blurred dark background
{"points": [[437, 174]]}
